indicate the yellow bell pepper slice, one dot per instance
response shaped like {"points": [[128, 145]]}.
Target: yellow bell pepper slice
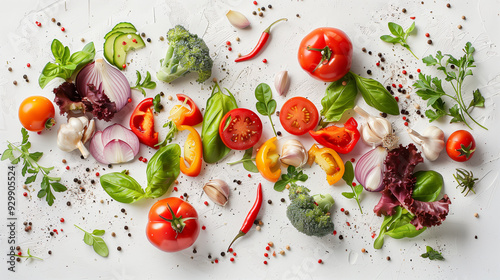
{"points": [[329, 160], [268, 162], [193, 152]]}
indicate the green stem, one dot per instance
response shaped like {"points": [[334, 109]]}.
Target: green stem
{"points": [[81, 228], [413, 53], [272, 125], [241, 161]]}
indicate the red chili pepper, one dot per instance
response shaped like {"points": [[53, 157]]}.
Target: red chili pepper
{"points": [[260, 44], [142, 123], [252, 214], [341, 139]]}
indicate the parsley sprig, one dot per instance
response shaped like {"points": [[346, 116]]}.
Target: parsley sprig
{"points": [[293, 175], [147, 83], [455, 70], [356, 190], [400, 35], [30, 166], [432, 254]]}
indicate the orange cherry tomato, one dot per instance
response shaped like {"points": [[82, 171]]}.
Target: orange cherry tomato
{"points": [[36, 113]]}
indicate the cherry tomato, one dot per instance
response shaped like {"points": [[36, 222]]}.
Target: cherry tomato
{"points": [[460, 146], [240, 129], [326, 54], [173, 224], [299, 115], [36, 113]]}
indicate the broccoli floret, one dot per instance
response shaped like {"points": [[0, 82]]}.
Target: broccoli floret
{"points": [[310, 214], [186, 53]]}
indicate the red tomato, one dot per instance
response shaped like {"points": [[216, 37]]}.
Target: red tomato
{"points": [[326, 54], [240, 129], [173, 224], [460, 146], [36, 113], [299, 115]]}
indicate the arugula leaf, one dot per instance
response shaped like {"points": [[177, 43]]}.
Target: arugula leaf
{"points": [[455, 71], [247, 161], [147, 83], [293, 175], [157, 103], [355, 190], [432, 254], [65, 62], [400, 35], [266, 105], [93, 239], [31, 166]]}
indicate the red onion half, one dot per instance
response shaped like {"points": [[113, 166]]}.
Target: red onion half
{"points": [[104, 78], [370, 169], [116, 144]]}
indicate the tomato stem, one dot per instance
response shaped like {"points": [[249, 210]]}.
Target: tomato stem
{"points": [[326, 55], [177, 223], [50, 123]]}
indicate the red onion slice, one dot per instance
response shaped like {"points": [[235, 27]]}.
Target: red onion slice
{"points": [[96, 148], [119, 132], [117, 151], [370, 169]]}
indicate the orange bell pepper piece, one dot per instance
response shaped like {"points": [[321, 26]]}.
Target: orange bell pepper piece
{"points": [[193, 152], [268, 162], [329, 161]]}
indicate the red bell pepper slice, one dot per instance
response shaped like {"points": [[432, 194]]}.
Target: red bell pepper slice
{"points": [[341, 139], [182, 116], [143, 125]]}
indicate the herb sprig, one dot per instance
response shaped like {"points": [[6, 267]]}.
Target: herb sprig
{"points": [[95, 240], [465, 180], [356, 190], [455, 70], [30, 256], [247, 161], [432, 254], [157, 103], [400, 35], [170, 134], [65, 62], [266, 105], [147, 83], [293, 175], [30, 166]]}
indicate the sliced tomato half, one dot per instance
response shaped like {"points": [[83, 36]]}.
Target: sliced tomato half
{"points": [[299, 115], [240, 129]]}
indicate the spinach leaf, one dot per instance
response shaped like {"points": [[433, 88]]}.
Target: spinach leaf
{"points": [[218, 105], [339, 98], [428, 186], [397, 226], [163, 168], [376, 95], [266, 105], [121, 187]]}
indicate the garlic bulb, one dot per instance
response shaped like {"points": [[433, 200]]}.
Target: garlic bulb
{"points": [[217, 190], [282, 82], [74, 134], [377, 131], [293, 153], [237, 19], [431, 141]]}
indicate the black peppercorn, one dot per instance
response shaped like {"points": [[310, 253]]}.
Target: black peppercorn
{"points": [[18, 259], [222, 254], [382, 59], [92, 181], [270, 6], [369, 72], [143, 34], [18, 248], [194, 251], [341, 237], [123, 210], [130, 234], [119, 248], [125, 227], [263, 8], [110, 166], [278, 133], [404, 10], [282, 200], [50, 252], [185, 195], [51, 233], [410, 76], [25, 76], [238, 182], [364, 50], [429, 42], [209, 256], [58, 24], [75, 180], [270, 201], [68, 203]]}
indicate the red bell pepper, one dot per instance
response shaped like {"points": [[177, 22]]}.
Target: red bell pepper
{"points": [[180, 115], [341, 139], [143, 125]]}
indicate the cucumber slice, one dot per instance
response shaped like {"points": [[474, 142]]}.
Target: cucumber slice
{"points": [[109, 46], [125, 24], [120, 30], [122, 45]]}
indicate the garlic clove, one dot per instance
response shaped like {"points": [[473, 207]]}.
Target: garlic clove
{"points": [[431, 141], [217, 190], [380, 126], [282, 82], [369, 137], [293, 153], [237, 19], [89, 131]]}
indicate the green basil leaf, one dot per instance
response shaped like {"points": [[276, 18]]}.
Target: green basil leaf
{"points": [[339, 98], [348, 173], [148, 78], [261, 108], [66, 55], [358, 189], [280, 185], [302, 177], [88, 239], [98, 232], [84, 56], [58, 187], [390, 39], [51, 69], [348, 195], [250, 166], [57, 49], [100, 247], [163, 168], [263, 93], [122, 187], [218, 105], [376, 95], [410, 29], [271, 107], [396, 29], [428, 186]]}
